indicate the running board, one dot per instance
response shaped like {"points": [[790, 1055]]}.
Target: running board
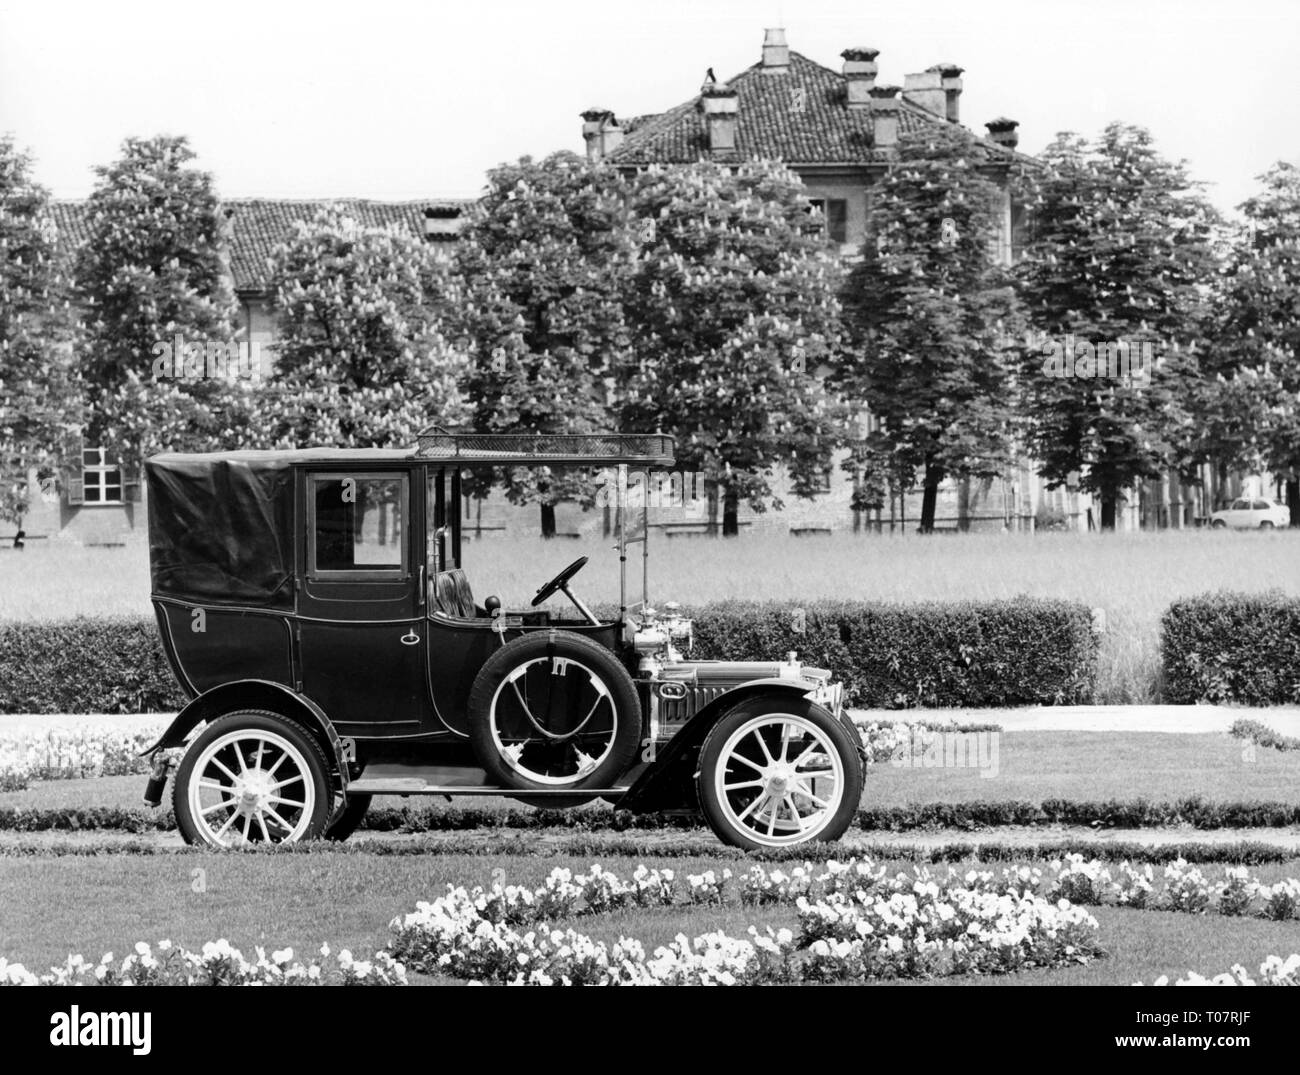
{"points": [[397, 779], [379, 786]]}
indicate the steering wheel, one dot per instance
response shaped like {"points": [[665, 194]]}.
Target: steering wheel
{"points": [[560, 580]]}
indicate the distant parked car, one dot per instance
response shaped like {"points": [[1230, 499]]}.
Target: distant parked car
{"points": [[1249, 512]]}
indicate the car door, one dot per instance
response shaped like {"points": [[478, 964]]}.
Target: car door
{"points": [[360, 625], [1239, 513]]}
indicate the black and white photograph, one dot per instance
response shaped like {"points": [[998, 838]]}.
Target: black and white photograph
{"points": [[750, 495]]}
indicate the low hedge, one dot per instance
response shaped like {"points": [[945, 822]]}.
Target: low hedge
{"points": [[1232, 647], [970, 816], [1246, 853], [978, 654], [974, 654], [86, 665]]}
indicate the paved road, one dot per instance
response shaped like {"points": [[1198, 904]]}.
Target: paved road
{"points": [[1081, 718]]}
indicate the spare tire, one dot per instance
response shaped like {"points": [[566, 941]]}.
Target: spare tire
{"points": [[555, 711]]}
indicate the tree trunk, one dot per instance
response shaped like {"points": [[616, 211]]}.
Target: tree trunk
{"points": [[548, 520], [713, 509], [1293, 499], [1108, 502], [933, 475], [730, 514]]}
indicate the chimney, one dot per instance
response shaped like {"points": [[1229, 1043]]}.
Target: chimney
{"points": [[884, 116], [601, 132], [719, 104], [776, 53], [1003, 131], [951, 75], [926, 89], [860, 71]]}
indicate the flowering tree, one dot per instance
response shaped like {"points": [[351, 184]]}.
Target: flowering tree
{"points": [[152, 269], [1250, 404], [360, 359], [733, 306], [1122, 252], [932, 316], [543, 263], [38, 403]]}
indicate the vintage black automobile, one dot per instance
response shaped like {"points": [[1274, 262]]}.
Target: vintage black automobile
{"points": [[314, 609]]}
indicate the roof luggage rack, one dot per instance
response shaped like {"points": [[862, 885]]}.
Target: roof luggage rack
{"points": [[585, 449]]}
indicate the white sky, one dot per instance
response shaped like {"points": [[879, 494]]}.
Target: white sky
{"points": [[391, 99]]}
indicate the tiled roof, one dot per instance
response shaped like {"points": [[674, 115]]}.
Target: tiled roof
{"points": [[257, 225], [768, 125]]}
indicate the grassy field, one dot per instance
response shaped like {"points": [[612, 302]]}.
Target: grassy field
{"points": [[105, 904], [1032, 766], [1133, 576]]}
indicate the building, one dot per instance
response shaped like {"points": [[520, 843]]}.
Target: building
{"points": [[101, 504], [838, 130]]}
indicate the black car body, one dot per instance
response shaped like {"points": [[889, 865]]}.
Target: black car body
{"points": [[316, 600]]}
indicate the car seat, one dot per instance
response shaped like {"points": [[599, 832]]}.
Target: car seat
{"points": [[450, 594]]}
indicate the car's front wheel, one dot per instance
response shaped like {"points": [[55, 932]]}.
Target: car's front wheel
{"points": [[252, 777], [776, 771], [1218, 524]]}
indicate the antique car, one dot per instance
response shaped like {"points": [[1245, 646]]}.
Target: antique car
{"points": [[315, 611]]}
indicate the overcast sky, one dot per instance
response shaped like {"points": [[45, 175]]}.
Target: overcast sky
{"points": [[389, 99]]}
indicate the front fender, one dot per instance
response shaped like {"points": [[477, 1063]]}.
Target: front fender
{"points": [[252, 694], [667, 782]]}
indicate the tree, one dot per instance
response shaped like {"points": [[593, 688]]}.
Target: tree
{"points": [[734, 308], [1251, 392], [38, 403], [1122, 259], [931, 315], [542, 263], [361, 359], [152, 270]]}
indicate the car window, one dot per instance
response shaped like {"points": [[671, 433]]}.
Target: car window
{"points": [[1260, 505], [1240, 505], [358, 524]]}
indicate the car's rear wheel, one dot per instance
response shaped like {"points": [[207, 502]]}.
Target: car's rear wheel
{"points": [[557, 712], [776, 771], [347, 817], [1267, 524], [252, 777]]}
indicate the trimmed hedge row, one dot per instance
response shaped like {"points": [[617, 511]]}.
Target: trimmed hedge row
{"points": [[967, 653], [1232, 647], [85, 665], [1024, 651], [1245, 852], [1134, 814]]}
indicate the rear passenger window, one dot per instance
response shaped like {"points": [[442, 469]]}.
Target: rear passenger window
{"points": [[358, 525]]}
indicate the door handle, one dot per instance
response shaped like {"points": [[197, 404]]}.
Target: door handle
{"points": [[410, 638]]}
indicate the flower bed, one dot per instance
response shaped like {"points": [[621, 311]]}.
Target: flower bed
{"points": [[217, 964], [1273, 971], [28, 754], [855, 923]]}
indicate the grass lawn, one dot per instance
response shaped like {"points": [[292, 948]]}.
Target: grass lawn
{"points": [[95, 905], [1032, 766], [1133, 576]]}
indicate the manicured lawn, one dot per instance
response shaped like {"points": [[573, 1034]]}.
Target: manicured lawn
{"points": [[54, 906], [1133, 576], [1032, 766]]}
